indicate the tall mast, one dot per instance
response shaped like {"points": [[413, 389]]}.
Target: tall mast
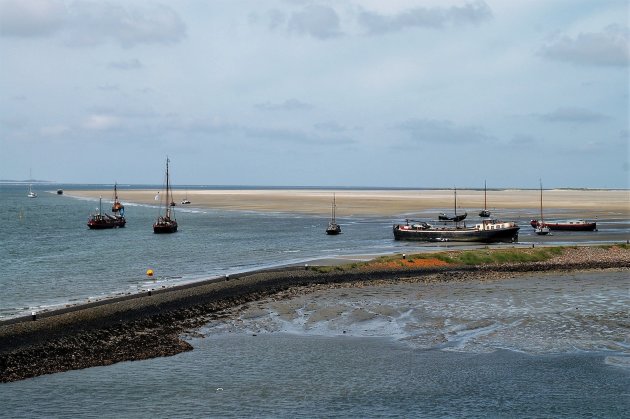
{"points": [[333, 209], [541, 205], [485, 204], [455, 201], [168, 208]]}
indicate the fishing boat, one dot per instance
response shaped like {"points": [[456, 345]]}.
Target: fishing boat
{"points": [[166, 223], [487, 231], [456, 218], [333, 228], [484, 213], [117, 207], [544, 227], [101, 221]]}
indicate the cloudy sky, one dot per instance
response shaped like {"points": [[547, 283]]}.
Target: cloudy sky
{"points": [[317, 93]]}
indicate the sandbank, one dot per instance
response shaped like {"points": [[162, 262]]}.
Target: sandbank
{"points": [[579, 203]]}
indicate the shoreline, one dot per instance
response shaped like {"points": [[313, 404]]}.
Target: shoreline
{"points": [[151, 325]]}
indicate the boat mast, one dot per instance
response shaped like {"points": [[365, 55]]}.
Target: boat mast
{"points": [[542, 220], [455, 202], [333, 209], [485, 204], [168, 208]]}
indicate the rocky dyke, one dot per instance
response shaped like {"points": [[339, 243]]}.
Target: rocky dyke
{"points": [[156, 323]]}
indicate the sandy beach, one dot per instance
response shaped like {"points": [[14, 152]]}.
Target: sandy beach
{"points": [[611, 204]]}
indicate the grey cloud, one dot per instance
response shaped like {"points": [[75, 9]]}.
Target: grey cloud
{"points": [[31, 18], [287, 105], [429, 131], [132, 64], [330, 126], [572, 115], [317, 21], [608, 48], [87, 23], [426, 17]]}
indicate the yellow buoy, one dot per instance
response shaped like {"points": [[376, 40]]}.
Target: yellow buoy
{"points": [[149, 272]]}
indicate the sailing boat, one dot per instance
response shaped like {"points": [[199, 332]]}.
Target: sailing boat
{"points": [[166, 223], [541, 228], [185, 201], [117, 207], [333, 228], [484, 213], [31, 194], [456, 218]]}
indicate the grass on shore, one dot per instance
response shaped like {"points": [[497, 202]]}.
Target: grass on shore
{"points": [[459, 257]]}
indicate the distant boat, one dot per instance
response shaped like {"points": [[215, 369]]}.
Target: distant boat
{"points": [[117, 206], [59, 191], [456, 218], [30, 193], [333, 228], [185, 201], [566, 225], [166, 223], [484, 213], [100, 221]]}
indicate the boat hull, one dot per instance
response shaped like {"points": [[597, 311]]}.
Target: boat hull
{"points": [[463, 234], [164, 227], [579, 225], [106, 223]]}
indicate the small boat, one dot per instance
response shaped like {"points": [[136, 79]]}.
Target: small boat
{"points": [[484, 213], [540, 228], [100, 221], [30, 193], [456, 218], [166, 223], [333, 228], [59, 191], [185, 201], [117, 207]]}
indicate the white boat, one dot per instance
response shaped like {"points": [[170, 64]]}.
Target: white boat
{"points": [[31, 194], [541, 228]]}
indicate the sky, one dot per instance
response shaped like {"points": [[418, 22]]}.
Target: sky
{"points": [[394, 93]]}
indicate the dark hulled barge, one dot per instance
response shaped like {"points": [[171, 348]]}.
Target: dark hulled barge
{"points": [[487, 231]]}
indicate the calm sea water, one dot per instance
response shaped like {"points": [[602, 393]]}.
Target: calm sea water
{"points": [[537, 347]]}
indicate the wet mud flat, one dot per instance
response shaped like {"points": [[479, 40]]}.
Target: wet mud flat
{"points": [[156, 324]]}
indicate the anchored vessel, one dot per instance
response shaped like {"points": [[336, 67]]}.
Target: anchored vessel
{"points": [[117, 207], [166, 223], [456, 218], [542, 227], [333, 228], [101, 221], [484, 213], [487, 231]]}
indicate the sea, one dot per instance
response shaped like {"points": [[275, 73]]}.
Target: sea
{"points": [[540, 346]]}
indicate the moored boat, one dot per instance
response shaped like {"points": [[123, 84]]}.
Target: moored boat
{"points": [[540, 228], [484, 213], [487, 231], [455, 218], [566, 225], [101, 221], [117, 207], [333, 228], [166, 223]]}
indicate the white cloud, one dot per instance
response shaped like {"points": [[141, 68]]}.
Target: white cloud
{"points": [[31, 18], [101, 122]]}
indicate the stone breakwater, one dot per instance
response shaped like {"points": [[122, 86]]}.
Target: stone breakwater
{"points": [[150, 326]]}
